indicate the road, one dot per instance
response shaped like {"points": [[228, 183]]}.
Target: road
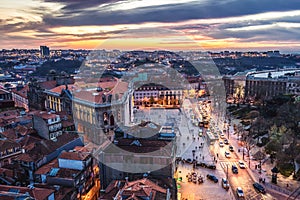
{"points": [[187, 140]]}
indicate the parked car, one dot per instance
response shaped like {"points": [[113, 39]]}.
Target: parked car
{"points": [[212, 177], [211, 166], [234, 169], [190, 161], [226, 141], [242, 164], [240, 192], [225, 183], [221, 144], [227, 154], [201, 164], [222, 136], [231, 148], [259, 187]]}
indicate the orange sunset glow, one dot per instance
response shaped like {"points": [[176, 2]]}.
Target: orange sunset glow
{"points": [[71, 24]]}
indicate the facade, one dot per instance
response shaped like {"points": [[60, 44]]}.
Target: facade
{"points": [[36, 93], [41, 153], [73, 169], [47, 125], [101, 107], [150, 94], [267, 84], [15, 192], [8, 149], [5, 95], [19, 96], [44, 51], [59, 99], [135, 151]]}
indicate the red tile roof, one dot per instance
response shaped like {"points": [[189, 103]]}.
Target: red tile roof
{"points": [[22, 92], [8, 144], [47, 168], [36, 193], [47, 84], [74, 155], [46, 115], [141, 188]]}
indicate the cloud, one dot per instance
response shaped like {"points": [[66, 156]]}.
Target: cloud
{"points": [[163, 13]]}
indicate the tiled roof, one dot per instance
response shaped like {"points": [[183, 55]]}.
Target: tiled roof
{"points": [[154, 146], [66, 123], [22, 92], [74, 155], [47, 84], [67, 173], [47, 168], [46, 115], [8, 144], [45, 147], [10, 134], [141, 188], [36, 193]]}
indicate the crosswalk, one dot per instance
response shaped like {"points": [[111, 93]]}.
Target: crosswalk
{"points": [[229, 163]]}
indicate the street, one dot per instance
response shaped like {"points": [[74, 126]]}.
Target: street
{"points": [[192, 147]]}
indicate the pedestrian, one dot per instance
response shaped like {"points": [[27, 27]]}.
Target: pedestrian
{"points": [[287, 185], [202, 157], [214, 158], [217, 155]]}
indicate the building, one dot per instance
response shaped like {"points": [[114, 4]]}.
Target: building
{"points": [[47, 125], [40, 153], [36, 94], [44, 51], [266, 84], [135, 156], [19, 96], [138, 189], [59, 99], [8, 149], [5, 95], [99, 107], [74, 169], [15, 192]]}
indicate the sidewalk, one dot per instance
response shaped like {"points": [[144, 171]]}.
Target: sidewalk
{"points": [[280, 187]]}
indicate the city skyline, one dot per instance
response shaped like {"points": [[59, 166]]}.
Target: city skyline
{"points": [[208, 25]]}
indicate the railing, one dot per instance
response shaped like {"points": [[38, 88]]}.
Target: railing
{"points": [[278, 188], [295, 194]]}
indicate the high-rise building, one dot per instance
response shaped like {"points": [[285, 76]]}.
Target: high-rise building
{"points": [[44, 51]]}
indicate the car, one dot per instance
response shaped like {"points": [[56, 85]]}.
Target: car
{"points": [[239, 192], [227, 154], [234, 169], [212, 177], [189, 161], [221, 144], [242, 164], [259, 188], [222, 136], [211, 166], [226, 141], [231, 148], [225, 183], [201, 164]]}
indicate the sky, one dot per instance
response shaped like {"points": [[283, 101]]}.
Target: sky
{"points": [[214, 25]]}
